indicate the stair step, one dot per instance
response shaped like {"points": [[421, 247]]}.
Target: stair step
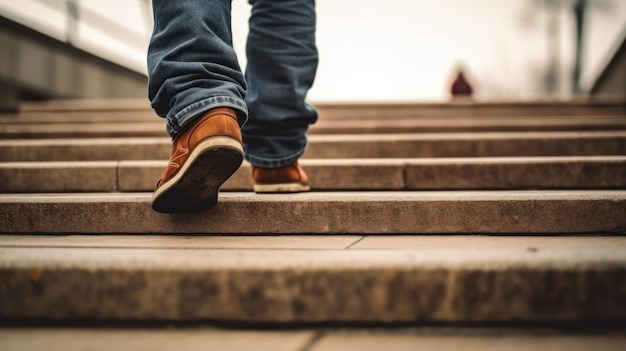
{"points": [[159, 339], [342, 146], [310, 339], [471, 109], [376, 279], [181, 241], [12, 128], [127, 117], [330, 110], [591, 172], [325, 213]]}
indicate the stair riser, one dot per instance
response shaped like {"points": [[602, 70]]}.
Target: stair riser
{"points": [[377, 111], [455, 293], [32, 130], [325, 213], [467, 148], [363, 110], [382, 174], [586, 144]]}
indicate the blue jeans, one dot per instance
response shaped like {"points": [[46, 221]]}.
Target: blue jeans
{"points": [[192, 68]]}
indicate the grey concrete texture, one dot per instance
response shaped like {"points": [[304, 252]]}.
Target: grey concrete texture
{"points": [[124, 126], [479, 144], [84, 176], [581, 281], [467, 145], [590, 172], [150, 339], [467, 124], [325, 213], [560, 244], [516, 173], [600, 107], [97, 149], [181, 241], [85, 130], [357, 339], [325, 174], [612, 342], [582, 107]]}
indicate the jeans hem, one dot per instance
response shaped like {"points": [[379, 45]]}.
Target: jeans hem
{"points": [[273, 162], [177, 123]]}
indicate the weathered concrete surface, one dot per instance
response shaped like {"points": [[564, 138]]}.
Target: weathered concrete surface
{"points": [[191, 339], [486, 144], [498, 342], [586, 172], [469, 108], [319, 212], [85, 149], [517, 173], [467, 124], [573, 245], [58, 176], [325, 174], [49, 126], [439, 282], [179, 241], [467, 145], [583, 107], [318, 339], [84, 130]]}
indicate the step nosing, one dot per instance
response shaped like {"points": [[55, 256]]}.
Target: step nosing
{"points": [[345, 195]]}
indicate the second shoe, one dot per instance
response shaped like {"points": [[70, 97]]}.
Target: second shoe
{"points": [[289, 179]]}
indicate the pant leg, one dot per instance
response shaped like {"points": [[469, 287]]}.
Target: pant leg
{"points": [[192, 66], [282, 61]]}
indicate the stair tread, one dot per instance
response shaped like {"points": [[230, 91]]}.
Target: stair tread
{"points": [[582, 172], [346, 137], [595, 254], [129, 126], [151, 338], [181, 241], [342, 146], [382, 212], [341, 196], [441, 279], [313, 339], [364, 110], [436, 248]]}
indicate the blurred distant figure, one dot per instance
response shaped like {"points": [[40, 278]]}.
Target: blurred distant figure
{"points": [[461, 88]]}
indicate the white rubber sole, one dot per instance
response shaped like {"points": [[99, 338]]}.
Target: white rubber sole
{"points": [[281, 188]]}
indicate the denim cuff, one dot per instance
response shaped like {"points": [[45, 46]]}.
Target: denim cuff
{"points": [[273, 163], [179, 121]]}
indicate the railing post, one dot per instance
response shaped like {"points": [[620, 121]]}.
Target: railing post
{"points": [[579, 12], [72, 18]]}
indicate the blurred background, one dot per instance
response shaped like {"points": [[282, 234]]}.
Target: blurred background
{"points": [[398, 50]]}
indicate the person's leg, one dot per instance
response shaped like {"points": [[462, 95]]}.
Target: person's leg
{"points": [[282, 61], [195, 83], [192, 66]]}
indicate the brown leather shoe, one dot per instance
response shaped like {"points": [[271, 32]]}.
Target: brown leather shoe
{"points": [[203, 157], [290, 179]]}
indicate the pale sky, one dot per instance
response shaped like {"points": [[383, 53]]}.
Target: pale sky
{"points": [[398, 50]]}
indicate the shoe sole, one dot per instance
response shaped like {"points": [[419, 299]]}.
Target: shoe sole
{"points": [[281, 188], [196, 185]]}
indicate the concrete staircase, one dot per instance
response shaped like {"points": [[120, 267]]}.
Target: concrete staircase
{"points": [[420, 215]]}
